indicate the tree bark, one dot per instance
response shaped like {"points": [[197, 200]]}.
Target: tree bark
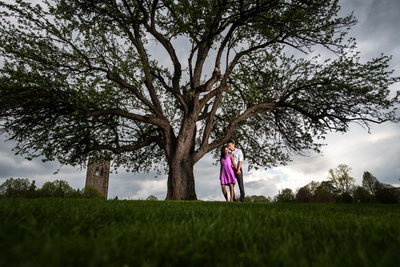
{"points": [[181, 180], [181, 184]]}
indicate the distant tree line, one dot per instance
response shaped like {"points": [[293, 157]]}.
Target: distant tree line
{"points": [[255, 198], [340, 187], [152, 197], [22, 188]]}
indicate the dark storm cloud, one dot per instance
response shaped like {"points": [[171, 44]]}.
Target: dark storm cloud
{"points": [[377, 27], [376, 32]]}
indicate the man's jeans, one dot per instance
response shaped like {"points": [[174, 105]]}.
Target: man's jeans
{"points": [[239, 179]]}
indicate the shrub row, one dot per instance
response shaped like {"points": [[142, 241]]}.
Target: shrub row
{"points": [[22, 188]]}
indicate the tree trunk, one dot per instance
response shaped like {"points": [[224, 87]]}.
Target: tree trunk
{"points": [[181, 180], [179, 152]]}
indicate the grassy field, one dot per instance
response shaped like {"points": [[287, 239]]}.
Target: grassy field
{"points": [[77, 232]]}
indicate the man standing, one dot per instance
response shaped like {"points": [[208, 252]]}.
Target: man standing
{"points": [[238, 158]]}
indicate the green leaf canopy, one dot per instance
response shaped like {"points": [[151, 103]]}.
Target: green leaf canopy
{"points": [[152, 80]]}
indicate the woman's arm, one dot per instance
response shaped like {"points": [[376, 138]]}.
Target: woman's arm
{"points": [[220, 170], [233, 162]]}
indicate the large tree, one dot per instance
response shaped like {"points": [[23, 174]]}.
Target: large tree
{"points": [[161, 83], [340, 179], [370, 183]]}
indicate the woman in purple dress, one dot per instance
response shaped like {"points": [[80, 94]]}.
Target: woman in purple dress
{"points": [[227, 174]]}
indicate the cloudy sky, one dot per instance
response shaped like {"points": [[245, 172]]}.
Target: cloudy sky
{"points": [[377, 152]]}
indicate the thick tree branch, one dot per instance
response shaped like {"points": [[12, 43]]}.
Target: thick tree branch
{"points": [[251, 111], [136, 40], [179, 97], [326, 116], [162, 123], [113, 77], [116, 148], [223, 87], [248, 51], [151, 28], [210, 120], [222, 47], [133, 89], [147, 70], [217, 91]]}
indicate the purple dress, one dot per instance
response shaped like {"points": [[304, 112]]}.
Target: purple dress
{"points": [[227, 172]]}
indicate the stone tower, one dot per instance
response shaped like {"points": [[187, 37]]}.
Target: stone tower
{"points": [[98, 173]]}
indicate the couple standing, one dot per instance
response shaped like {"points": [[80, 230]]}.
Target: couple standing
{"points": [[231, 168]]}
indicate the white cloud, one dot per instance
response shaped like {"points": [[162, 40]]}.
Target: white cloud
{"points": [[262, 183], [154, 187], [377, 152]]}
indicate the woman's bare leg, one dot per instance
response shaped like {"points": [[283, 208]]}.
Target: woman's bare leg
{"points": [[224, 192], [232, 192]]}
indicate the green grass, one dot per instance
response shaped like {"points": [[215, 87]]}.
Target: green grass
{"points": [[77, 232]]}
